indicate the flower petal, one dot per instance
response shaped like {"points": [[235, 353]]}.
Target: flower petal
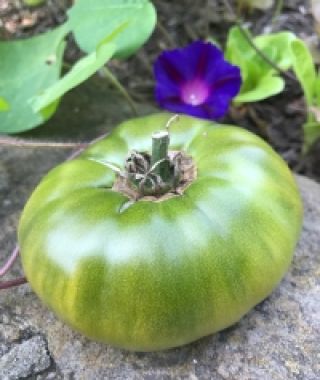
{"points": [[229, 84], [196, 80], [210, 111], [167, 68], [199, 57], [224, 71]]}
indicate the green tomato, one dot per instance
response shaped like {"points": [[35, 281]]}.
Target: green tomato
{"points": [[160, 274]]}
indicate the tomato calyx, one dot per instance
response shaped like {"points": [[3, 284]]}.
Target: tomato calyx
{"points": [[156, 176], [139, 182], [143, 176]]}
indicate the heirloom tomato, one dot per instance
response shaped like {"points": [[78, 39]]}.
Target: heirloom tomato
{"points": [[156, 272]]}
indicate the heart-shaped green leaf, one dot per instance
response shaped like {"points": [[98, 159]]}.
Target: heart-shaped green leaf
{"points": [[304, 69], [92, 21], [267, 86], [28, 67], [260, 79], [277, 47]]}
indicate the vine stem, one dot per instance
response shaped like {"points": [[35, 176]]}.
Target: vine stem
{"points": [[277, 11], [81, 149], [4, 269], [254, 46], [11, 283], [25, 143], [12, 141], [114, 81], [11, 260], [14, 255], [165, 34]]}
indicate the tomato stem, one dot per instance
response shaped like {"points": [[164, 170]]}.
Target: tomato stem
{"points": [[115, 82], [160, 146], [152, 174]]}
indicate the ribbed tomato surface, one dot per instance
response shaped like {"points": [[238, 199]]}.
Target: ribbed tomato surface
{"points": [[161, 274]]}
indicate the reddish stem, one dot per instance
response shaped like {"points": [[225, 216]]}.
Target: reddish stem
{"points": [[13, 257], [11, 283], [11, 260], [5, 268]]}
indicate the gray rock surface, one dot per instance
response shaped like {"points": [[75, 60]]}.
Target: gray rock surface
{"points": [[25, 359], [277, 340]]}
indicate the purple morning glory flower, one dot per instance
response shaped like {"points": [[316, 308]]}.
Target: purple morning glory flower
{"points": [[196, 80]]}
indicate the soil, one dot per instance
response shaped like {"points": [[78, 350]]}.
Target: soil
{"points": [[278, 120]]}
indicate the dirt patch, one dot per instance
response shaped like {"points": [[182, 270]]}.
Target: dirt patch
{"points": [[19, 21]]}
